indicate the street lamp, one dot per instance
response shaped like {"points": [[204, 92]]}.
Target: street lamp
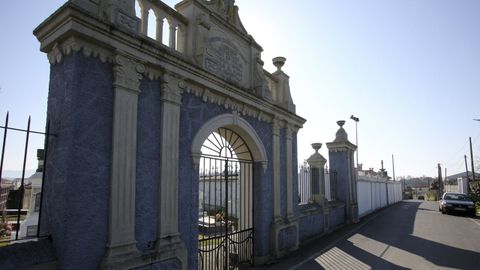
{"points": [[356, 119]]}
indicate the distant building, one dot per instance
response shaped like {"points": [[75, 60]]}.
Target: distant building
{"points": [[5, 188]]}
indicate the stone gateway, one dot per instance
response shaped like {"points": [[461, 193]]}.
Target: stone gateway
{"points": [[136, 117]]}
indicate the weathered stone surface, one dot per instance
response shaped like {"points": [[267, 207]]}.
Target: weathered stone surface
{"points": [[148, 160], [80, 107]]}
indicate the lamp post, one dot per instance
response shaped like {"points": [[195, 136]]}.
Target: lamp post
{"points": [[356, 119]]}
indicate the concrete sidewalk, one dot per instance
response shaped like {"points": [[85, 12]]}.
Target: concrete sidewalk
{"points": [[317, 247]]}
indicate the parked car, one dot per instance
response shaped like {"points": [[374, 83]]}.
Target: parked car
{"points": [[456, 203]]}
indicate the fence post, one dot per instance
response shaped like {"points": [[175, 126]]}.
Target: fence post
{"points": [[341, 161], [317, 174]]}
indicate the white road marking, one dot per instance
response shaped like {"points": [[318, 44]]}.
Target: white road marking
{"points": [[478, 223]]}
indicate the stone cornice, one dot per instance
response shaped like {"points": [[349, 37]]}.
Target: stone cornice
{"points": [[70, 29], [341, 146]]}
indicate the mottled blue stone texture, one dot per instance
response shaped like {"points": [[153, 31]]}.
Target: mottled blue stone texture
{"points": [[339, 163], [172, 264], [75, 210], [24, 255], [287, 238], [148, 164], [311, 226], [194, 114], [337, 216]]}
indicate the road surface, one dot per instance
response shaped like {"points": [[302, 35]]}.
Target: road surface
{"points": [[408, 235]]}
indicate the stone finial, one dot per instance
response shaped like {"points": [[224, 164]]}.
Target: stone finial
{"points": [[316, 160], [279, 62], [341, 135], [316, 147]]}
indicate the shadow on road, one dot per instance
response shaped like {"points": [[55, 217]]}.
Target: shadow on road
{"points": [[394, 229]]}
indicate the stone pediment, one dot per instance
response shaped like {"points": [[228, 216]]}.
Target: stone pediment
{"points": [[227, 10]]}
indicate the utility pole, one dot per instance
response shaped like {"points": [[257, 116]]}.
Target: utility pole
{"points": [[466, 171], [356, 119], [439, 181], [471, 157], [393, 167], [445, 179]]}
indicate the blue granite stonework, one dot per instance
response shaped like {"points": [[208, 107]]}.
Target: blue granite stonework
{"points": [[172, 264], [148, 164], [28, 254], [283, 174], [287, 238], [80, 109], [194, 114], [337, 217], [310, 226], [339, 164]]}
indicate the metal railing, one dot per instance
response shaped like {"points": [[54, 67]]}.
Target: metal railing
{"points": [[19, 208], [306, 185]]}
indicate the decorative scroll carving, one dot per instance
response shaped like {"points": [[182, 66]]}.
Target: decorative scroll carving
{"points": [[127, 73], [227, 10], [261, 85]]}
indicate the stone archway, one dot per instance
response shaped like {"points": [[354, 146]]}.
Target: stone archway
{"points": [[225, 163], [239, 125]]}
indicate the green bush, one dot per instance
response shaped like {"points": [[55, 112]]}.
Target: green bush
{"points": [[432, 195]]}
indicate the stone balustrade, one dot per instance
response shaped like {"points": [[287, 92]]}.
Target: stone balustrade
{"points": [[166, 18]]}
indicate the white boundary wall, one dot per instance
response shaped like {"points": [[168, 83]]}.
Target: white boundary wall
{"points": [[372, 193]]}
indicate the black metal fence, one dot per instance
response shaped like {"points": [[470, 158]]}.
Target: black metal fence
{"points": [[21, 198]]}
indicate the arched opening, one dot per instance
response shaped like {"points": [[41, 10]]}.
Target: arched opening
{"points": [[166, 32], [152, 24], [138, 10], [226, 150], [225, 201]]}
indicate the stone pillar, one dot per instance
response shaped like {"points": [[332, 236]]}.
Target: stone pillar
{"points": [[168, 234], [144, 25], [288, 138], [341, 162], [121, 240], [317, 163], [277, 215], [159, 30], [172, 37]]}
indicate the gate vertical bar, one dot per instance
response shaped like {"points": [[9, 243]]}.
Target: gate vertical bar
{"points": [[3, 147], [226, 214], [22, 185], [45, 152]]}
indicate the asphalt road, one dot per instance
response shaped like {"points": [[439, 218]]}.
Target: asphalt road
{"points": [[408, 235]]}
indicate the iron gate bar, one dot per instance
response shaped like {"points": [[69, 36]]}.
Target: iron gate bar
{"points": [[22, 185], [226, 213], [3, 147], [44, 171], [222, 249]]}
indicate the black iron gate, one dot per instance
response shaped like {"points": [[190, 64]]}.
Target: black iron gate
{"points": [[225, 203]]}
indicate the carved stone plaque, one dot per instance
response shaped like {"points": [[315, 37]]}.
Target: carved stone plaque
{"points": [[225, 60]]}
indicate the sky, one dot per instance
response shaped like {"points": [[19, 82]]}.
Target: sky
{"points": [[408, 69]]}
